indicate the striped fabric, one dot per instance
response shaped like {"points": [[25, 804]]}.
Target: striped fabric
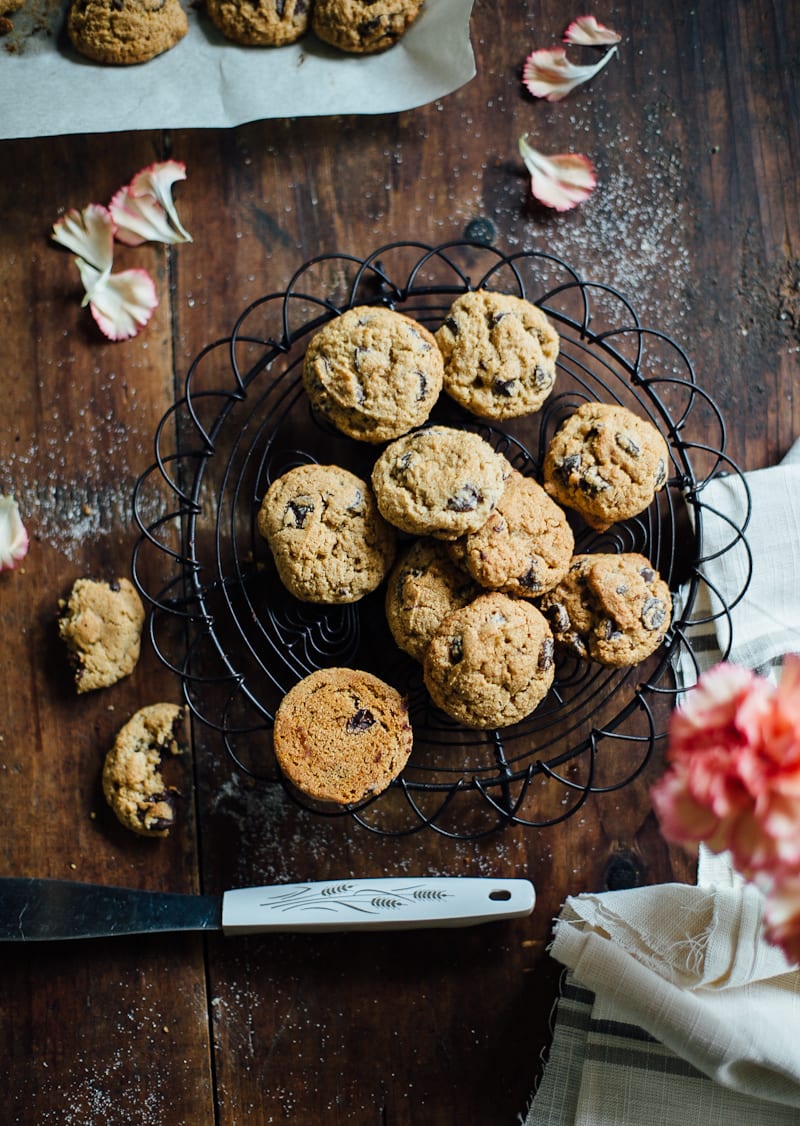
{"points": [[605, 1072]]}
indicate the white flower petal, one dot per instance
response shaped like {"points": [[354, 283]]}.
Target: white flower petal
{"points": [[122, 303], [144, 210], [549, 74], [562, 181], [585, 31], [89, 234], [13, 536]]}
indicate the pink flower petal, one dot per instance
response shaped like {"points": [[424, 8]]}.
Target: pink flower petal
{"points": [[121, 303], [728, 704], [585, 31], [549, 74], [89, 234], [144, 211], [13, 536], [782, 916], [562, 181]]}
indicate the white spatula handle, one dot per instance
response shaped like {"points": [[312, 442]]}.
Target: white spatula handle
{"points": [[384, 903]]}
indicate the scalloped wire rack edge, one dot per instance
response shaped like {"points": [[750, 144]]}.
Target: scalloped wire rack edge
{"points": [[503, 786]]}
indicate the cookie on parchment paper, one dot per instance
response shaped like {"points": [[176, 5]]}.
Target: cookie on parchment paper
{"points": [[363, 26], [260, 23], [124, 32]]}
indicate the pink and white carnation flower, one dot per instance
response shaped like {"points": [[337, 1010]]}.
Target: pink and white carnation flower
{"points": [[733, 782]]}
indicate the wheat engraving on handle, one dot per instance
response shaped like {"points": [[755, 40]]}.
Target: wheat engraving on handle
{"points": [[370, 900]]}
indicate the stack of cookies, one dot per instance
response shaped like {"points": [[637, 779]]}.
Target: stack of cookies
{"points": [[483, 586]]}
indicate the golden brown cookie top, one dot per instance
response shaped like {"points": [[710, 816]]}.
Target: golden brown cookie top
{"points": [[363, 26], [260, 23], [605, 462], [526, 545], [123, 32], [612, 608], [490, 664], [499, 353], [342, 735], [439, 481], [328, 539], [424, 586], [373, 372], [101, 625], [133, 784]]}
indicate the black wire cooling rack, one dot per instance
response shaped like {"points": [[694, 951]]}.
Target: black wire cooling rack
{"points": [[223, 623]]}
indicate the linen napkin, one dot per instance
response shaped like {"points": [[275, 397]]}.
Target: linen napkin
{"points": [[763, 625], [673, 1008]]}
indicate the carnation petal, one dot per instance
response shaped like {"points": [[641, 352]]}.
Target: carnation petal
{"points": [[585, 31], [122, 303], [144, 210], [782, 916], [682, 819], [727, 704], [13, 535], [562, 181], [548, 73], [88, 233], [789, 688]]}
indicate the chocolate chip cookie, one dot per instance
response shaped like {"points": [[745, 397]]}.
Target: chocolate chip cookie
{"points": [[123, 32], [327, 537], [363, 26], [260, 23], [605, 462], [614, 609], [525, 547], [342, 735], [424, 586], [374, 373], [133, 784], [499, 353], [439, 482], [491, 663], [101, 626]]}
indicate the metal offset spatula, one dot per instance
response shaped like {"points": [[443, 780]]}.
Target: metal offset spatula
{"points": [[33, 910]]}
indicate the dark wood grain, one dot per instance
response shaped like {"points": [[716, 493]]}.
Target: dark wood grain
{"points": [[694, 131]]}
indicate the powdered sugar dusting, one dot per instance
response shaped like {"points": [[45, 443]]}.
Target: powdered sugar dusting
{"points": [[272, 832], [629, 234], [67, 512], [116, 1086]]}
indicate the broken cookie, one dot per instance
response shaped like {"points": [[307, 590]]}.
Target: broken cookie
{"points": [[101, 625], [133, 784]]}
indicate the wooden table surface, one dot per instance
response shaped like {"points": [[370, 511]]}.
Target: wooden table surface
{"points": [[695, 132]]}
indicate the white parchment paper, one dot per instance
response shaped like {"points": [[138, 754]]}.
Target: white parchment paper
{"points": [[47, 89]]}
